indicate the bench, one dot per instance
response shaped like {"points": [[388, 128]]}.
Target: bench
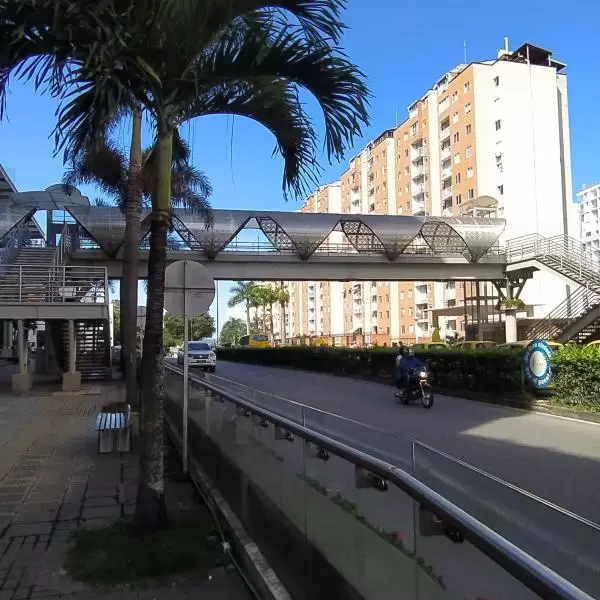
{"points": [[114, 431]]}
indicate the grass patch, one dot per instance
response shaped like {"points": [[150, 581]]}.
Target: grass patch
{"points": [[114, 555]]}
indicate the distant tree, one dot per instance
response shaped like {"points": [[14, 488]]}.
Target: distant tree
{"points": [[173, 327], [243, 292], [232, 331], [116, 323]]}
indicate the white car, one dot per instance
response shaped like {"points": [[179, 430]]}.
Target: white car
{"points": [[200, 354]]}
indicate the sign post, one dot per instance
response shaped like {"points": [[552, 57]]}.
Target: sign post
{"points": [[189, 292]]}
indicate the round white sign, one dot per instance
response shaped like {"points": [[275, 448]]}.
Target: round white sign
{"points": [[188, 283]]}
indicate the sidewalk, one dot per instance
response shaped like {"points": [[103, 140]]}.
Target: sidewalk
{"points": [[52, 481]]}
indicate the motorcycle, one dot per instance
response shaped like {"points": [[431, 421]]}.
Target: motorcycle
{"points": [[417, 388]]}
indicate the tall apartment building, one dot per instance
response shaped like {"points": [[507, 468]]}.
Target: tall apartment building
{"points": [[490, 138], [589, 220]]}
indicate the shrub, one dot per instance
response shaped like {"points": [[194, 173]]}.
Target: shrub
{"points": [[577, 375], [478, 370], [435, 336]]}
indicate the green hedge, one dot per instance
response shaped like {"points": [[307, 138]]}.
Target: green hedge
{"points": [[477, 370], [577, 376]]}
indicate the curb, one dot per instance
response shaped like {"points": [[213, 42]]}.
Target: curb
{"points": [[255, 564]]}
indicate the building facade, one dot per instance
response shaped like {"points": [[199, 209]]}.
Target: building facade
{"points": [[489, 138], [589, 221]]}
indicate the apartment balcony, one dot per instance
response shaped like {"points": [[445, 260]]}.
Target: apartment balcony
{"points": [[417, 153], [421, 315], [418, 172], [445, 152], [447, 193], [445, 134], [417, 190]]}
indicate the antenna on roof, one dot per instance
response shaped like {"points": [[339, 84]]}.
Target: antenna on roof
{"points": [[465, 50], [396, 109]]}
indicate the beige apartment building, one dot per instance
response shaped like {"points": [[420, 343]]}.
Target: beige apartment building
{"points": [[493, 129]]}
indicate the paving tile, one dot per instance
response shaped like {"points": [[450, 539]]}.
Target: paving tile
{"points": [[101, 512], [24, 529]]}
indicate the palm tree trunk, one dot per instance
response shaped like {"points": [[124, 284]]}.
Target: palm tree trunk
{"points": [[150, 510], [271, 319], [247, 317], [283, 326], [129, 287]]}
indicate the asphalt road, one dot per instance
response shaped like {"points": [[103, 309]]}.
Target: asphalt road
{"points": [[555, 459]]}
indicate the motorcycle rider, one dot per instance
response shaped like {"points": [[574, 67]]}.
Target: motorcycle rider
{"points": [[405, 362]]}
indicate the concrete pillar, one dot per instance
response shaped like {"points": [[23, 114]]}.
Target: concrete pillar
{"points": [[510, 326], [21, 381], [72, 379]]}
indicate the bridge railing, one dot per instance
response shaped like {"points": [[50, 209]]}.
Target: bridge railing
{"points": [[32, 284], [18, 238], [354, 516]]}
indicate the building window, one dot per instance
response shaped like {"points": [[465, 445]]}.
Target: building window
{"points": [[468, 129], [467, 86], [454, 97], [411, 329], [496, 81], [457, 178], [387, 314], [469, 172], [372, 208], [471, 194], [501, 190], [469, 151], [458, 198], [467, 108], [456, 137], [403, 329], [406, 135], [443, 105], [401, 295], [498, 125], [414, 128], [455, 118], [406, 152], [457, 158]]}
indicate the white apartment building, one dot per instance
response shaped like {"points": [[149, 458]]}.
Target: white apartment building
{"points": [[589, 221], [490, 138]]}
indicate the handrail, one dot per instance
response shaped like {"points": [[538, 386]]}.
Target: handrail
{"points": [[64, 247], [35, 284], [17, 238], [574, 306], [519, 564]]}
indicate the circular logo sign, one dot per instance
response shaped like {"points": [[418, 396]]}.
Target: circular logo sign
{"points": [[536, 364]]}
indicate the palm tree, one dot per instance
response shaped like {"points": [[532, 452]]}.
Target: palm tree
{"points": [[241, 293], [103, 164], [182, 60], [283, 297]]}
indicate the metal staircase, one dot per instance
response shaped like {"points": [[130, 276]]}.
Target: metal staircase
{"points": [[577, 318], [92, 356]]}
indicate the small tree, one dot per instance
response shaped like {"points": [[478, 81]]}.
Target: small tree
{"points": [[232, 331], [435, 336]]}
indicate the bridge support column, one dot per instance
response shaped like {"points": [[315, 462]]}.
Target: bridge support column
{"points": [[510, 289], [21, 381], [72, 379]]}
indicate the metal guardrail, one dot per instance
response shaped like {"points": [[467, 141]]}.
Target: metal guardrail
{"points": [[63, 249], [567, 254], [530, 572], [32, 284], [559, 318]]}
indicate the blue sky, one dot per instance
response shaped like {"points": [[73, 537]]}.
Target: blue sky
{"points": [[402, 47]]}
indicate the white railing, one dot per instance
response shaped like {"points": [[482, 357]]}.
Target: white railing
{"points": [[563, 253], [60, 284]]}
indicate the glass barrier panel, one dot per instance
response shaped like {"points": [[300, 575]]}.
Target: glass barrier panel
{"points": [[391, 448], [568, 545], [454, 569], [360, 529]]}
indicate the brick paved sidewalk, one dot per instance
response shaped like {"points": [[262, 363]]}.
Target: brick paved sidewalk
{"points": [[52, 481]]}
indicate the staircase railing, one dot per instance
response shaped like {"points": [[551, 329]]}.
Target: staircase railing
{"points": [[580, 302], [18, 238], [64, 247], [562, 253], [32, 284]]}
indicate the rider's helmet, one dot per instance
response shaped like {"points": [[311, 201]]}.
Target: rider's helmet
{"points": [[405, 352]]}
